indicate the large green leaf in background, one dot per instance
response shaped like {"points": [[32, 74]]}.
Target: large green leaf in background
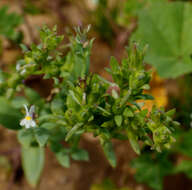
{"points": [[167, 28], [8, 22], [33, 162], [9, 115]]}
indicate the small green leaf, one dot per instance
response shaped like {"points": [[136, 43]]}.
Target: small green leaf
{"points": [[145, 97], [118, 120], [26, 137], [24, 47], [146, 87], [57, 106], [72, 131], [63, 159], [114, 64], [74, 97], [170, 113], [42, 136], [128, 113], [104, 111], [133, 141], [33, 162], [33, 97], [109, 152], [80, 154]]}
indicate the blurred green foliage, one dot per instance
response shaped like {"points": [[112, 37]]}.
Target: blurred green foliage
{"points": [[107, 185], [151, 168], [31, 8], [168, 34], [8, 24]]}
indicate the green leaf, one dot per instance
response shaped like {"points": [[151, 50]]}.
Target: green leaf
{"points": [[170, 113], [19, 101], [63, 158], [9, 116], [74, 97], [118, 120], [168, 34], [24, 47], [42, 136], [26, 137], [72, 131], [114, 64], [32, 162], [57, 106], [151, 169], [109, 153], [80, 154], [8, 23], [133, 141], [186, 167], [33, 97], [145, 97], [185, 143], [128, 113]]}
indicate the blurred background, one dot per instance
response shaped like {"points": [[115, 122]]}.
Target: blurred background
{"points": [[166, 26]]}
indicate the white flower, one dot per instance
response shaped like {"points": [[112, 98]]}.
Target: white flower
{"points": [[18, 66], [28, 120], [23, 71]]}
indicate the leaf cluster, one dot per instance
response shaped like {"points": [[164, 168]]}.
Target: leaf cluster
{"points": [[81, 101]]}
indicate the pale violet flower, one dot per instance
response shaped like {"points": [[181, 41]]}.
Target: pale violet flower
{"points": [[28, 121]]}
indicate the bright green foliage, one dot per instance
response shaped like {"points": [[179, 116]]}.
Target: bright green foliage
{"points": [[33, 162], [77, 61], [85, 102], [168, 34], [8, 23], [151, 169]]}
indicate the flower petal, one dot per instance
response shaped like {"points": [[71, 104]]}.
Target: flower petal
{"points": [[23, 121], [26, 109], [33, 124], [32, 110], [27, 125]]}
